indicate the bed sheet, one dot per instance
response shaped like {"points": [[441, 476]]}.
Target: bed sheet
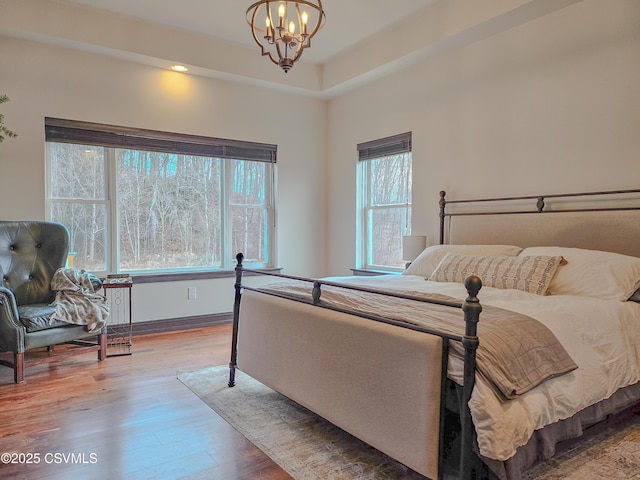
{"points": [[602, 337]]}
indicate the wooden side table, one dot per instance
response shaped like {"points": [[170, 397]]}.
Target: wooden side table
{"points": [[119, 331]]}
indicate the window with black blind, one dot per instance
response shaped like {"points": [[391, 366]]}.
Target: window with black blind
{"points": [[384, 201], [146, 201]]}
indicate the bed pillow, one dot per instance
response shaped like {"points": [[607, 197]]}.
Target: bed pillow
{"points": [[593, 273], [431, 256], [531, 274]]}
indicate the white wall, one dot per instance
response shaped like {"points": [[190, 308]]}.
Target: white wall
{"points": [[551, 106], [51, 81], [546, 107]]}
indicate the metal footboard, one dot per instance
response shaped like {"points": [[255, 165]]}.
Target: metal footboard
{"points": [[471, 309]]}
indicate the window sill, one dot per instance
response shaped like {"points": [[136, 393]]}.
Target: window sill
{"points": [[184, 276], [365, 272]]}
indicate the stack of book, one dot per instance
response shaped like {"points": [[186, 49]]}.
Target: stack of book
{"points": [[118, 278]]}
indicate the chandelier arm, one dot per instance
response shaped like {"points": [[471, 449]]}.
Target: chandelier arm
{"points": [[254, 31], [309, 4], [319, 24], [297, 56], [270, 17], [280, 55]]}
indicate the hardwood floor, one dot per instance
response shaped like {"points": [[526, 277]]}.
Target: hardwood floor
{"points": [[126, 417]]}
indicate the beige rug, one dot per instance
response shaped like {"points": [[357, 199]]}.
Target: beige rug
{"points": [[309, 448], [611, 452]]}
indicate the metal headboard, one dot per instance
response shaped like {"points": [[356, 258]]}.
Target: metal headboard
{"points": [[606, 220]]}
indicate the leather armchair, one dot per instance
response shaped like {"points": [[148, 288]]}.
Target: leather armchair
{"points": [[30, 254]]}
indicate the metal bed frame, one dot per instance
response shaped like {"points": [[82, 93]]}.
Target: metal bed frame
{"points": [[471, 309]]}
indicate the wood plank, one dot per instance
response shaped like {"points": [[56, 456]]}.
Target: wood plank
{"points": [[127, 417]]}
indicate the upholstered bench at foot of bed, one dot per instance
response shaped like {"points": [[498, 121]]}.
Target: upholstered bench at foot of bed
{"points": [[366, 377]]}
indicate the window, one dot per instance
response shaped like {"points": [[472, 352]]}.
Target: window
{"points": [[144, 201], [384, 201]]}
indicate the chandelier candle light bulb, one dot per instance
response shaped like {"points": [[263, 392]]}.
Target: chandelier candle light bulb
{"points": [[281, 15], [298, 22], [269, 34]]}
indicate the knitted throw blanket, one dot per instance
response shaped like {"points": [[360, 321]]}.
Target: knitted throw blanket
{"points": [[76, 301]]}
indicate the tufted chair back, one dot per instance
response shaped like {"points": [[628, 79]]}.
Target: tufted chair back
{"points": [[30, 253]]}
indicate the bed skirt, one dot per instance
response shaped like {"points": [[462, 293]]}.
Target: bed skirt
{"points": [[543, 444]]}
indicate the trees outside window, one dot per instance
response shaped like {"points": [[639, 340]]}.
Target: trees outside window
{"points": [[129, 209], [384, 201]]}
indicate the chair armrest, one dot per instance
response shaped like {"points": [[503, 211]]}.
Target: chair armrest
{"points": [[11, 330]]}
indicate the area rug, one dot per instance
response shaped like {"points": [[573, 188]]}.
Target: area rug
{"points": [[303, 444], [611, 452], [308, 447]]}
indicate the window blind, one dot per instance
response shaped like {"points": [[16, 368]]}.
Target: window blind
{"points": [[384, 147], [87, 133]]}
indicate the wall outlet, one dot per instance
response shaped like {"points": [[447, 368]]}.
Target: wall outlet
{"points": [[191, 293]]}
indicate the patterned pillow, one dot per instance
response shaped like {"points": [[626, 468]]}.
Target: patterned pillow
{"points": [[431, 257], [531, 274]]}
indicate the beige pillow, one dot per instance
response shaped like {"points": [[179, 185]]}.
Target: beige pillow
{"points": [[431, 256], [593, 273], [531, 274]]}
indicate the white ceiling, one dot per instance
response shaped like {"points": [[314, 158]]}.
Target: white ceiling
{"points": [[349, 22], [362, 40]]}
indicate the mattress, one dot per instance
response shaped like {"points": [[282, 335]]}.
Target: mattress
{"points": [[601, 336]]}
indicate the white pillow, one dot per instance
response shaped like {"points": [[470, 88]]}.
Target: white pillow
{"points": [[431, 256], [592, 273]]}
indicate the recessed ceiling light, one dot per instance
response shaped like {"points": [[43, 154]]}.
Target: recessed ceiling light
{"points": [[179, 68]]}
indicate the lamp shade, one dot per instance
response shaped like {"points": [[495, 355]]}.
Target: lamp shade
{"points": [[412, 246]]}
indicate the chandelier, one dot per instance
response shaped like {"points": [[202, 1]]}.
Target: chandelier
{"points": [[283, 29]]}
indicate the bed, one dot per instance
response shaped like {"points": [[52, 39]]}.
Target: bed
{"points": [[519, 330]]}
